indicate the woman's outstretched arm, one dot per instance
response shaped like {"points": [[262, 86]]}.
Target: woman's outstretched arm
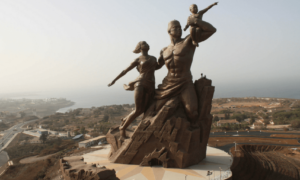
{"points": [[130, 67]]}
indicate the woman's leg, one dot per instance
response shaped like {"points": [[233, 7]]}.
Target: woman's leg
{"points": [[139, 97]]}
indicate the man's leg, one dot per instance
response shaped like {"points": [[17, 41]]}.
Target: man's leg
{"points": [[190, 101]]}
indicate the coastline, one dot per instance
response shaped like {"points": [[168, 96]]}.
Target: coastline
{"points": [[65, 109]]}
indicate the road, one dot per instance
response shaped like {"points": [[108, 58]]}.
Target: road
{"points": [[7, 138], [9, 133]]}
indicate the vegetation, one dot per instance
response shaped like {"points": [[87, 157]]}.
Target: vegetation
{"points": [[228, 127], [287, 117], [43, 138], [3, 126], [15, 150], [240, 116]]}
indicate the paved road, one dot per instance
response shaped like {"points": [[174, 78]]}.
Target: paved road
{"points": [[9, 133], [7, 137]]}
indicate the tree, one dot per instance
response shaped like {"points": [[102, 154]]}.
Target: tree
{"points": [[43, 138], [295, 124], [82, 130], [252, 119], [266, 121], [227, 116], [105, 118], [216, 118], [22, 114]]}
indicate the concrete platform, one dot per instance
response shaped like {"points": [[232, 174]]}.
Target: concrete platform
{"points": [[215, 160]]}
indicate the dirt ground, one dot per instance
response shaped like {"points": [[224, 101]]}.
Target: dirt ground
{"points": [[33, 159], [45, 169], [20, 137]]}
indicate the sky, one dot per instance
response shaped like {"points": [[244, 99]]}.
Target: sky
{"points": [[76, 45]]}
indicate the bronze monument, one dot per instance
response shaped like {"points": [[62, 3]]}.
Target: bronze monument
{"points": [[175, 127]]}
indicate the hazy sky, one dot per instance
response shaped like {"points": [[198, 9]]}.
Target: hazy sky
{"points": [[67, 45]]}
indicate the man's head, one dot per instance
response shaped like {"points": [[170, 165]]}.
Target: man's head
{"points": [[193, 8], [174, 28]]}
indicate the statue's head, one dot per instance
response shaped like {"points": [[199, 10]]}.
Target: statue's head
{"points": [[142, 45], [174, 28], [194, 8]]}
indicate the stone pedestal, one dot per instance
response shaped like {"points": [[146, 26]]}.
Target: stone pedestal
{"points": [[164, 136]]}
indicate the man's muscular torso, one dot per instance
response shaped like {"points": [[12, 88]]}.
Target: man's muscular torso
{"points": [[178, 58]]}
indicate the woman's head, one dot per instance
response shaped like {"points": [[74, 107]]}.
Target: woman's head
{"points": [[142, 45]]}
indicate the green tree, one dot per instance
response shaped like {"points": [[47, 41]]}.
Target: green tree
{"points": [[43, 138], [266, 121], [295, 124], [227, 116], [216, 118], [82, 130], [105, 118], [22, 114], [252, 120]]}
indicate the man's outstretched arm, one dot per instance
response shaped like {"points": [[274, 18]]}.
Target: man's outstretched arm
{"points": [[206, 32]]}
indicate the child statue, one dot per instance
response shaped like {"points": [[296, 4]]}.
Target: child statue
{"points": [[195, 21]]}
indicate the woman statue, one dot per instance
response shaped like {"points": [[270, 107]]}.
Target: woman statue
{"points": [[143, 85]]}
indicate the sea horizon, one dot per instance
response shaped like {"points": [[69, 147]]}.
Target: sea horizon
{"points": [[96, 97]]}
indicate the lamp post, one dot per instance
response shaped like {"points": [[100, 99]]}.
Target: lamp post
{"points": [[220, 172], [234, 146]]}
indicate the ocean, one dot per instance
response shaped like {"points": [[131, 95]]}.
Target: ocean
{"points": [[100, 96]]}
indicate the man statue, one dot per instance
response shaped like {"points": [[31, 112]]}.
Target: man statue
{"points": [[178, 58]]}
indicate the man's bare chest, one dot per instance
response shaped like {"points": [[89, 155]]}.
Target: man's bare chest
{"points": [[177, 50]]}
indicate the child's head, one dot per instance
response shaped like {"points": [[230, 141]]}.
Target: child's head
{"points": [[194, 8]]}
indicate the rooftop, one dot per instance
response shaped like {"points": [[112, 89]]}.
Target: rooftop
{"points": [[77, 136]]}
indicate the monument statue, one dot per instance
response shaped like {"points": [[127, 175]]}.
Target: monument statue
{"points": [[175, 127], [143, 85]]}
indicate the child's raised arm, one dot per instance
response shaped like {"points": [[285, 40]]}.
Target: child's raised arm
{"points": [[206, 9]]}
